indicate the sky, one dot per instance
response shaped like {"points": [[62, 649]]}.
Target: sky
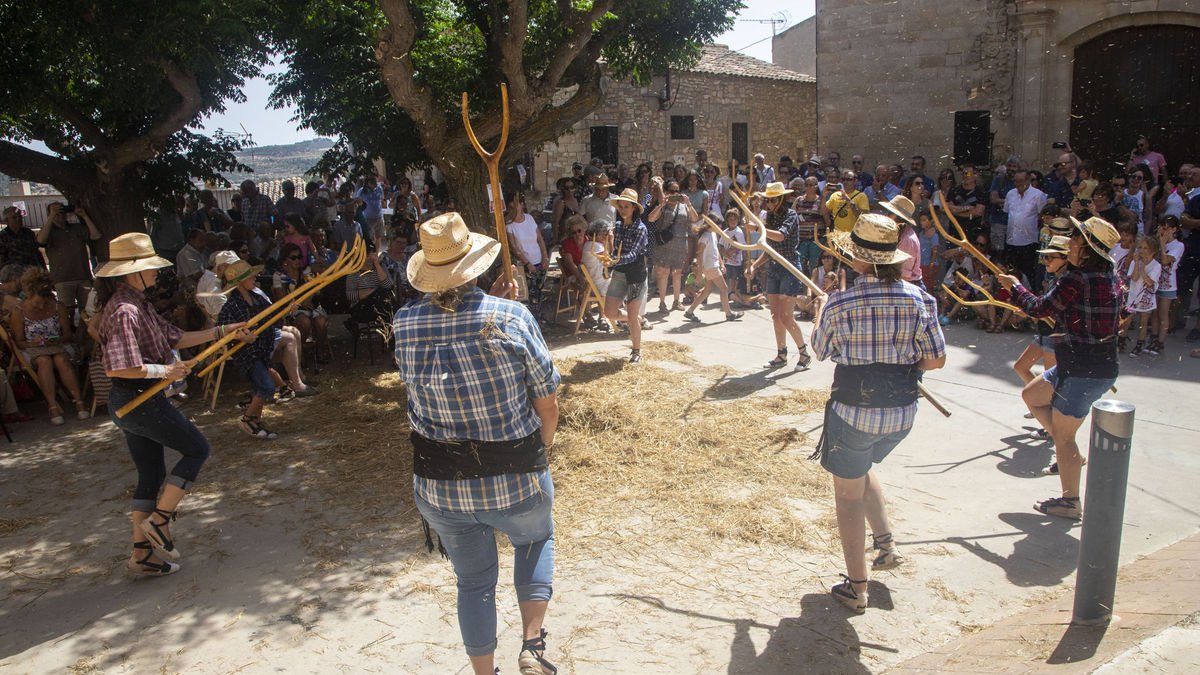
{"points": [[267, 126]]}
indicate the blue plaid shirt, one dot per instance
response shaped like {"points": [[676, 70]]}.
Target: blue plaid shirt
{"points": [[876, 322], [473, 374], [237, 310], [631, 240]]}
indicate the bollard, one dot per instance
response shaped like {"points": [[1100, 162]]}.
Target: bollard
{"points": [[1100, 540]]}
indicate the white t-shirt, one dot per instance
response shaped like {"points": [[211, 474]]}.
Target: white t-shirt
{"points": [[1141, 294], [1166, 282], [711, 256], [1175, 205], [733, 255], [594, 267], [209, 295], [1118, 254], [525, 232]]}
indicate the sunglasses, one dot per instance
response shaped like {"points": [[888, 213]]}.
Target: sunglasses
{"points": [[1134, 176]]}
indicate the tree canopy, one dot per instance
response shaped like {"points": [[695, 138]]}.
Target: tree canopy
{"points": [[387, 75], [117, 89]]}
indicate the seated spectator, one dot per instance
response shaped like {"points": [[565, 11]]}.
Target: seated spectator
{"points": [[369, 291], [571, 252], [190, 262], [309, 318], [296, 232], [10, 287], [41, 328], [208, 288]]}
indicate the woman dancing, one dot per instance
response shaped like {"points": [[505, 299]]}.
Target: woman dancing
{"points": [[628, 281]]}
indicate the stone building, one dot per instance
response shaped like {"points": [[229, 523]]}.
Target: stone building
{"points": [[728, 104], [795, 48], [983, 78]]}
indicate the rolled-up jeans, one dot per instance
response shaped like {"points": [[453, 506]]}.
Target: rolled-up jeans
{"points": [[470, 541], [149, 428]]}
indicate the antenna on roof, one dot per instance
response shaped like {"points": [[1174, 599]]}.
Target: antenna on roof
{"points": [[777, 19]]}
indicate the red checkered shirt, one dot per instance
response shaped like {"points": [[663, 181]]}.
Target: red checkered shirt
{"points": [[132, 333]]}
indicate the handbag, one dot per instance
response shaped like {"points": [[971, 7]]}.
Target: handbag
{"points": [[23, 386], [664, 236]]}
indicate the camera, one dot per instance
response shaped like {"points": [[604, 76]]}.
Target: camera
{"points": [[1085, 203], [69, 208], [1058, 145], [834, 186]]}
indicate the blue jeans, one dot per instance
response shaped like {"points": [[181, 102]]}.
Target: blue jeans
{"points": [[470, 541], [148, 429], [262, 384]]}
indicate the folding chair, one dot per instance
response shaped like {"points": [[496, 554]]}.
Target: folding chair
{"points": [[590, 295], [17, 357]]}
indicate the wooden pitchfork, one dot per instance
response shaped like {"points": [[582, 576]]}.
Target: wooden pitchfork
{"points": [[220, 344], [492, 161]]}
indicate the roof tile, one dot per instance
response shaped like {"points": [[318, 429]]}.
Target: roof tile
{"points": [[721, 60]]}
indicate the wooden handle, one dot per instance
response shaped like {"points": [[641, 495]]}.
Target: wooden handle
{"points": [[933, 400], [491, 160], [761, 245]]}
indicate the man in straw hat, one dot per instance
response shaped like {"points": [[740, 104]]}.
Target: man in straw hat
{"points": [[246, 300], [783, 234], [880, 357], [1086, 305], [596, 206], [482, 406], [136, 343]]}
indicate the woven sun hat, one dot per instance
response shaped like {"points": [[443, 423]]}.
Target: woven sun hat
{"points": [[874, 239], [1058, 246], [628, 195], [602, 181], [774, 190], [902, 207], [1099, 234], [450, 255], [237, 272], [131, 253], [1061, 226]]}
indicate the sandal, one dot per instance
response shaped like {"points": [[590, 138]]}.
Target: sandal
{"points": [[805, 360], [158, 538], [1061, 507], [845, 594], [780, 359], [255, 427], [635, 355], [56, 415], [532, 660], [146, 568], [675, 306], [889, 557], [81, 410]]}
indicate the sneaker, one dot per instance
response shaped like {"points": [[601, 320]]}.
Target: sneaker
{"points": [[254, 427], [635, 355], [1137, 350], [286, 394], [688, 316], [645, 324], [945, 320], [734, 316], [1060, 507], [1154, 348]]}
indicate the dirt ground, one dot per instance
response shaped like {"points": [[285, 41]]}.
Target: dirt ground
{"points": [[305, 554]]}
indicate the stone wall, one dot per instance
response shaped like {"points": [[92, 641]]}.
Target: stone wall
{"points": [[781, 118], [796, 47]]}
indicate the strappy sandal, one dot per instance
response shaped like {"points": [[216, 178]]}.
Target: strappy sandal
{"points": [[1061, 507], [532, 660], [158, 538], [81, 410], [888, 557], [780, 359], [146, 568], [255, 427], [805, 359], [845, 594], [56, 415]]}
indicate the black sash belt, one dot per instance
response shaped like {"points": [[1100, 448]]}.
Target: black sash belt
{"points": [[461, 460], [875, 385]]}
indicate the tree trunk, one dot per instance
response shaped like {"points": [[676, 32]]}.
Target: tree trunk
{"points": [[468, 179], [115, 206]]}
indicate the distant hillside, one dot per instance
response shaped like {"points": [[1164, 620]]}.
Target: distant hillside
{"points": [[272, 162]]}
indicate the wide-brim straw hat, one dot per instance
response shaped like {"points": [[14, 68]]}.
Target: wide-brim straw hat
{"points": [[903, 208], [1058, 245], [237, 272], [602, 181], [129, 253], [1061, 226], [874, 239], [628, 195], [774, 190], [450, 255], [1099, 234]]}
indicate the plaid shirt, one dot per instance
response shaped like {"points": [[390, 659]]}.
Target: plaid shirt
{"points": [[257, 210], [473, 374], [787, 222], [876, 322], [1086, 307], [236, 310], [132, 333], [631, 240]]}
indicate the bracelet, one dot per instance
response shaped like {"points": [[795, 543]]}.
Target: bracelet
{"points": [[220, 331], [155, 371]]}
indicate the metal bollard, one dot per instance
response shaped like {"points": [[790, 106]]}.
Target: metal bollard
{"points": [[1100, 540]]}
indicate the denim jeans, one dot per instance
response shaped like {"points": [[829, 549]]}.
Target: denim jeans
{"points": [[470, 541], [148, 429]]}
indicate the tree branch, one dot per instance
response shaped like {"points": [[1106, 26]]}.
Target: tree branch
{"points": [[21, 162], [393, 53], [148, 145], [579, 37], [552, 123], [511, 41], [88, 130]]}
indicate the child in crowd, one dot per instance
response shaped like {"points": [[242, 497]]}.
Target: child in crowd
{"points": [[1084, 183], [295, 231], [1143, 271], [931, 248], [1172, 251], [1124, 247], [712, 269], [734, 259]]}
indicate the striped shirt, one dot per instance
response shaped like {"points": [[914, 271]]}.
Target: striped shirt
{"points": [[877, 322], [473, 374]]}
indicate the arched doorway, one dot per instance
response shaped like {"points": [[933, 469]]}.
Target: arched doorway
{"points": [[1133, 81]]}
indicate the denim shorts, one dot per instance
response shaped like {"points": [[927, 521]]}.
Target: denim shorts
{"points": [[851, 452], [781, 282], [262, 384], [1074, 396], [1168, 295], [624, 291], [735, 277]]}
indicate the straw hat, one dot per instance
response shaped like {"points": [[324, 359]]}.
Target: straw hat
{"points": [[902, 207], [131, 253], [628, 195], [774, 190], [1058, 246], [237, 272], [1061, 226], [1099, 234], [450, 255], [602, 181], [875, 239]]}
